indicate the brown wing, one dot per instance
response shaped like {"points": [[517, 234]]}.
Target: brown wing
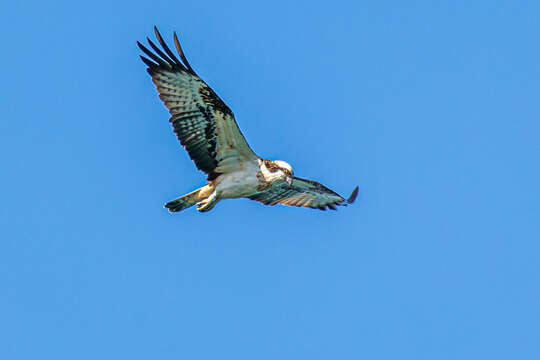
{"points": [[303, 192], [203, 123]]}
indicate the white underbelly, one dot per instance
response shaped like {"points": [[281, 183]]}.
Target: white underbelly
{"points": [[237, 184]]}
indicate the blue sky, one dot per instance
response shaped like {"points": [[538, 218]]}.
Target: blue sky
{"points": [[430, 107]]}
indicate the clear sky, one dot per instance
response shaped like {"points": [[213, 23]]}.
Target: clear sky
{"points": [[432, 108]]}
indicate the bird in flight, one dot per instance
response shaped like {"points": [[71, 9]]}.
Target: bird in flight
{"points": [[206, 128]]}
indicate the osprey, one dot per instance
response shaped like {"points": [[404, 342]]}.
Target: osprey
{"points": [[208, 131]]}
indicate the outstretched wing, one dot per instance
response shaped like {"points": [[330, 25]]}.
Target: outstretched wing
{"points": [[202, 122], [303, 192]]}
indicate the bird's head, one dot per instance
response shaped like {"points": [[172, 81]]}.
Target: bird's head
{"points": [[286, 169], [277, 170]]}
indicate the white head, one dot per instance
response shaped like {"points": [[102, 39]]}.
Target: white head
{"points": [[285, 166], [277, 170], [286, 169]]}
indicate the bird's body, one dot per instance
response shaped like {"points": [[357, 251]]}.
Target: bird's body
{"points": [[240, 183], [247, 180], [208, 131]]}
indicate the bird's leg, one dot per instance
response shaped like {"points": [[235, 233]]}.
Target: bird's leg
{"points": [[208, 203]]}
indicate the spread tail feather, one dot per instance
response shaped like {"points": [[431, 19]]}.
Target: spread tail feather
{"points": [[184, 202]]}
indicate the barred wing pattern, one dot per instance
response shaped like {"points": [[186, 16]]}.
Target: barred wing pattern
{"points": [[303, 192], [203, 123]]}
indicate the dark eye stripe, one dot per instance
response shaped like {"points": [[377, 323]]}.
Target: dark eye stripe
{"points": [[271, 166]]}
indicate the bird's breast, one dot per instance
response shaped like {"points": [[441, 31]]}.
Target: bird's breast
{"points": [[238, 184]]}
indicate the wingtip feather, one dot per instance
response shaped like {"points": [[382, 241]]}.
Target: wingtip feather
{"points": [[181, 53], [353, 196], [148, 62], [161, 54], [166, 48]]}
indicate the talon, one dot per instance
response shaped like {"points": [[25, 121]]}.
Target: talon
{"points": [[208, 203]]}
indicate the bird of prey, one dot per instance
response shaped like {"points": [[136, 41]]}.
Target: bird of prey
{"points": [[206, 128]]}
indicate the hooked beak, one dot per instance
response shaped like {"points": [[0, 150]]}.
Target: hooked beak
{"points": [[289, 180]]}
